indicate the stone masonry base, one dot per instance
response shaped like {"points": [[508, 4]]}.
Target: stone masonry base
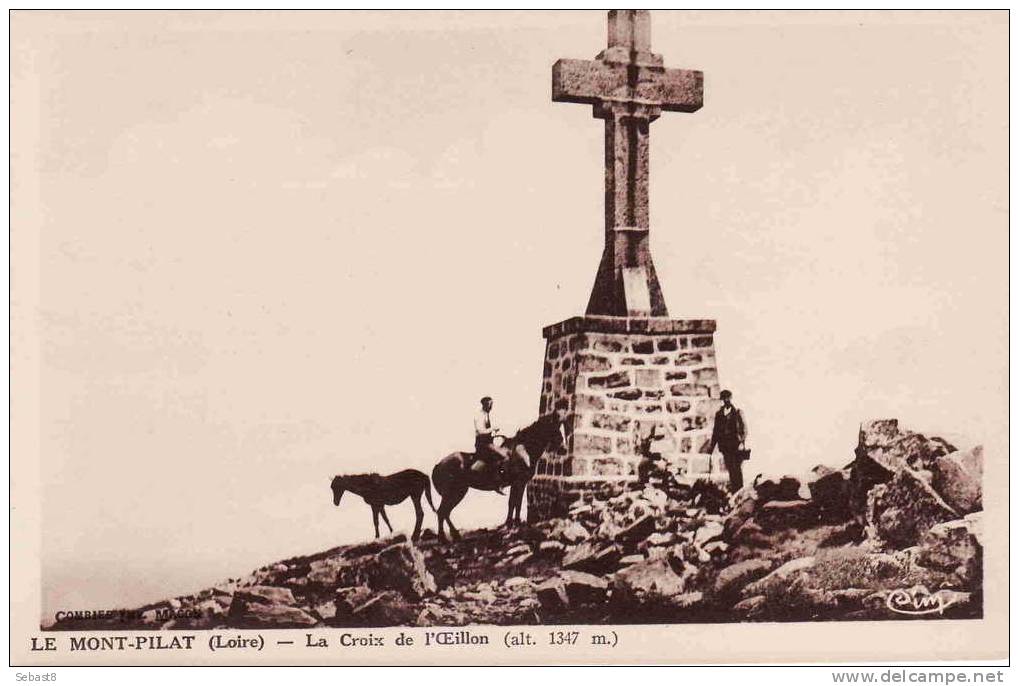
{"points": [[614, 380]]}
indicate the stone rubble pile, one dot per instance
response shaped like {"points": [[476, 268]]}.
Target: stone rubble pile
{"points": [[904, 517]]}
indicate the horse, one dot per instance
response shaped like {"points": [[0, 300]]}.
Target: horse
{"points": [[379, 491], [453, 476]]}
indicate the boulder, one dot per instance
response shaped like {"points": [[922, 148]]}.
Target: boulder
{"points": [[955, 547], [786, 514], [901, 511], [568, 532], [638, 531], [551, 548], [710, 530], [750, 607], [385, 609], [830, 492], [373, 547], [646, 583], [592, 558], [731, 580], [883, 449], [401, 567], [958, 479], [552, 594], [583, 589], [267, 606], [786, 488], [631, 560], [325, 572], [268, 595], [254, 615], [779, 578]]}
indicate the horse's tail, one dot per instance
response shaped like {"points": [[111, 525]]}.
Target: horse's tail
{"points": [[428, 493]]}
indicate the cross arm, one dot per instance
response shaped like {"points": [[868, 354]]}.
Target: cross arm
{"points": [[594, 81], [586, 81]]}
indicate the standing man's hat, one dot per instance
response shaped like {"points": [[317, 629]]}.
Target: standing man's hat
{"points": [[725, 394]]}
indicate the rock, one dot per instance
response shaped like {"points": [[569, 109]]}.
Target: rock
{"points": [[373, 547], [385, 609], [958, 479], [709, 495], [655, 496], [518, 550], [325, 572], [733, 578], [638, 531], [656, 539], [646, 583], [786, 488], [583, 588], [569, 532], [630, 560], [710, 530], [786, 514], [902, 510], [348, 598], [551, 548], [517, 582], [401, 567], [751, 606], [326, 610], [440, 569], [552, 594], [276, 616], [954, 547], [882, 450], [267, 606], [592, 558], [780, 577], [521, 559], [830, 492], [269, 595]]}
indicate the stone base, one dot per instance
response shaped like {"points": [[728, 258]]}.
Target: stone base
{"points": [[614, 380]]}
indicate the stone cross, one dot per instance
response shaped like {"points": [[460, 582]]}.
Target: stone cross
{"points": [[629, 88]]}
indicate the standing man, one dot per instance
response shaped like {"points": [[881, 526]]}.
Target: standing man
{"points": [[729, 435]]}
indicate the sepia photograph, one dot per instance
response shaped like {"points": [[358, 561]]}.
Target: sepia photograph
{"points": [[567, 332]]}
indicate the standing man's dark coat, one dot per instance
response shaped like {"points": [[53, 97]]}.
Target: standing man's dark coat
{"points": [[729, 434]]}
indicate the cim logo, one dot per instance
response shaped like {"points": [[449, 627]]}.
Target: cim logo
{"points": [[919, 601]]}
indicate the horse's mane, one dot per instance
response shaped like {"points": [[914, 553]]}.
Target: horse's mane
{"points": [[525, 433], [358, 479]]}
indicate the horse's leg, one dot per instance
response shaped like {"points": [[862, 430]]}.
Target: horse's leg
{"points": [[519, 501], [375, 519], [419, 516], [382, 511], [454, 499], [509, 504]]}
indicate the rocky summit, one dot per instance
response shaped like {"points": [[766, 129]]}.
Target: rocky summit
{"points": [[895, 534]]}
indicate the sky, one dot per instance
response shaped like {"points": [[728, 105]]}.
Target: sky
{"points": [[274, 247]]}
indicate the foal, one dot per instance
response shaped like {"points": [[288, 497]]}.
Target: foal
{"points": [[379, 491]]}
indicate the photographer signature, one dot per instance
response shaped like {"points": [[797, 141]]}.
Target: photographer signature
{"points": [[920, 601]]}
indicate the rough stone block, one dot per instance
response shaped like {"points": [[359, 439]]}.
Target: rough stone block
{"points": [[593, 363], [587, 444], [648, 378], [689, 389], [615, 380], [612, 422], [677, 406]]}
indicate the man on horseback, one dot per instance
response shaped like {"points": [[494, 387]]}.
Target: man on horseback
{"points": [[487, 457]]}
